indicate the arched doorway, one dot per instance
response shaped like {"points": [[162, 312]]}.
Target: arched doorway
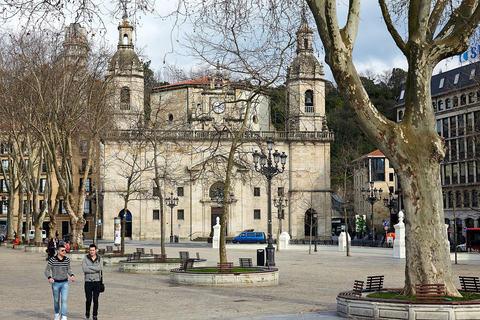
{"points": [[128, 223], [310, 223], [216, 210]]}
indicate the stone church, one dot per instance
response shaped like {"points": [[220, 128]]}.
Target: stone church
{"points": [[186, 136]]}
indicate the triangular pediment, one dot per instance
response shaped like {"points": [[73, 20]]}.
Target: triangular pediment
{"points": [[217, 160]]}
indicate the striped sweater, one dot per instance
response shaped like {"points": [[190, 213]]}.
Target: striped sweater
{"points": [[58, 269]]}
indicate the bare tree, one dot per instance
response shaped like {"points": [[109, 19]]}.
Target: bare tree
{"points": [[413, 146]]}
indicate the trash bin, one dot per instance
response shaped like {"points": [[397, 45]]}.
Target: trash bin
{"points": [[176, 239], [261, 257]]}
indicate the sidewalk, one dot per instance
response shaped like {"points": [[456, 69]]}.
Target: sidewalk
{"points": [[309, 284]]}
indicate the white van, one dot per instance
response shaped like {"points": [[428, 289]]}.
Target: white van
{"points": [[31, 236]]}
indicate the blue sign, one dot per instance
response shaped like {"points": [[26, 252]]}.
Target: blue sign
{"points": [[470, 54]]}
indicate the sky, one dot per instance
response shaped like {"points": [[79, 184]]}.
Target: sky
{"points": [[374, 51]]}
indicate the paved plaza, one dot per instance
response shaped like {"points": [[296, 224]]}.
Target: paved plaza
{"points": [[309, 284]]}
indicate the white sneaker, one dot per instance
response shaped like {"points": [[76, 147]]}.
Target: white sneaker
{"points": [[64, 318], [57, 316]]}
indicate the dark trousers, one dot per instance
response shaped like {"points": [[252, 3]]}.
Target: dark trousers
{"points": [[92, 290]]}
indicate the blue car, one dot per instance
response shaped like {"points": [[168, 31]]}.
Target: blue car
{"points": [[250, 237]]}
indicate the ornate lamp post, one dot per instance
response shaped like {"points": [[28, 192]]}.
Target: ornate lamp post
{"points": [[390, 203], [171, 202], [280, 204], [268, 168], [372, 195]]}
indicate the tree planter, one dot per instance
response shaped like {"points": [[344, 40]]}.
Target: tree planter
{"points": [[137, 266], [371, 308], [264, 277]]}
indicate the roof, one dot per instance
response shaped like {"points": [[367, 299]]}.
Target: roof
{"points": [[376, 153], [465, 80], [201, 81]]}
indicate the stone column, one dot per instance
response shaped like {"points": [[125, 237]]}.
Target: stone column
{"points": [[342, 241], [399, 243], [216, 235], [283, 242]]}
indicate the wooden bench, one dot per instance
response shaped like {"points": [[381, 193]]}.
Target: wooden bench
{"points": [[357, 289], [159, 257], [184, 255], [245, 262], [187, 264], [374, 283], [141, 250], [430, 291], [225, 266], [117, 253], [470, 284]]}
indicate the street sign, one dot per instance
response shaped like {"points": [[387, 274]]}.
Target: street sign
{"points": [[386, 228]]}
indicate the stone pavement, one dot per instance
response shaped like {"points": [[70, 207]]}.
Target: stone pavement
{"points": [[309, 284]]}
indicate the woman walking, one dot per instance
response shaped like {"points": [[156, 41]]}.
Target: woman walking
{"points": [[92, 266]]}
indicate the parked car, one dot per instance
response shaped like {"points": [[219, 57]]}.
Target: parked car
{"points": [[31, 235], [462, 247], [250, 237]]}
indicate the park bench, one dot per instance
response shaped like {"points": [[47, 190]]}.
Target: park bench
{"points": [[245, 262], [430, 291], [184, 255], [374, 283], [187, 264], [357, 289], [159, 257], [470, 284], [117, 253], [198, 255], [141, 250], [224, 266]]}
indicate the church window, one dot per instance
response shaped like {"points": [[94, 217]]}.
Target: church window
{"points": [[305, 43], [256, 192], [125, 39], [170, 117], [309, 101], [125, 98]]}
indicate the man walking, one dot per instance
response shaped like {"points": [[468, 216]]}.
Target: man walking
{"points": [[57, 271]]}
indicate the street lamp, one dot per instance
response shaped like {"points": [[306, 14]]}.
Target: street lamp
{"points": [[280, 204], [372, 195], [390, 203], [269, 169], [171, 202]]}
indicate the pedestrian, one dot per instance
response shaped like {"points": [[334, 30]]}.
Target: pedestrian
{"points": [[57, 271], [15, 242], [51, 248], [92, 266]]}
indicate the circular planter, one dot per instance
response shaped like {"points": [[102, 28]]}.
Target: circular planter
{"points": [[153, 267], [264, 278], [35, 249], [371, 308]]}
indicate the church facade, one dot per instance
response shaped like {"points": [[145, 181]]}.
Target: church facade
{"points": [[186, 140]]}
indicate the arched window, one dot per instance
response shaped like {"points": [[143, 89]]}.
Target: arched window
{"points": [[125, 98], [400, 115], [125, 39], [463, 100], [309, 101], [455, 101], [215, 189], [305, 43], [471, 97], [434, 105], [448, 103], [170, 117], [440, 105]]}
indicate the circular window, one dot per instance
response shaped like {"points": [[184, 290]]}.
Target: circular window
{"points": [[170, 117]]}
